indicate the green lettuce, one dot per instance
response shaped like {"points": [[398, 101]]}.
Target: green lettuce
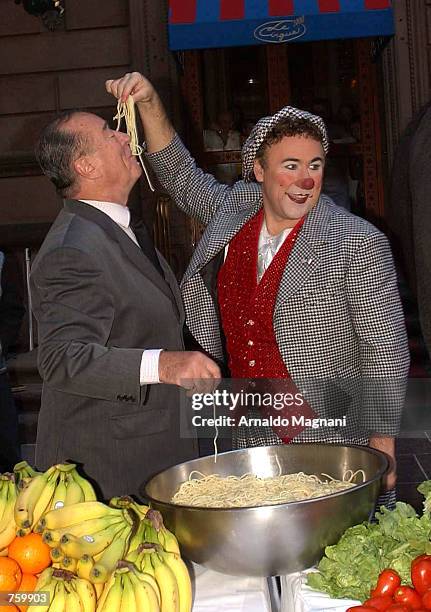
{"points": [[351, 567]]}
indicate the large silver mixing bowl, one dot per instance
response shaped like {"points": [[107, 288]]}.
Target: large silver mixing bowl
{"points": [[275, 539]]}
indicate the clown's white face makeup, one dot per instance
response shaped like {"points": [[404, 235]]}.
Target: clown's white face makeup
{"points": [[291, 176]]}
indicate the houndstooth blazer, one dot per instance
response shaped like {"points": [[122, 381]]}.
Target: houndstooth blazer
{"points": [[338, 320]]}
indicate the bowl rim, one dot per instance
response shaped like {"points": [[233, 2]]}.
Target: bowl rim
{"points": [[372, 451]]}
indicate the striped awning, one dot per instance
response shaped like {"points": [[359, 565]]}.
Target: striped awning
{"points": [[200, 24]]}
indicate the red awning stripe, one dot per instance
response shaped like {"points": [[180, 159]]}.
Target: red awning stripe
{"points": [[182, 11], [279, 8], [329, 6], [232, 9]]}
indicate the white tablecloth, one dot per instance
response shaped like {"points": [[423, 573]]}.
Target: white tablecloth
{"points": [[296, 596], [214, 592]]}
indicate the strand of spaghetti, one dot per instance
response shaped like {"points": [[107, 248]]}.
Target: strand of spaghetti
{"points": [[216, 434], [126, 110]]}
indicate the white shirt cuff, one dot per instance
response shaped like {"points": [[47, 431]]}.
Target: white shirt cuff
{"points": [[149, 373]]}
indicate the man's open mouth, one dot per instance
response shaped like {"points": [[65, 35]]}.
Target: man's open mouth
{"points": [[299, 198]]}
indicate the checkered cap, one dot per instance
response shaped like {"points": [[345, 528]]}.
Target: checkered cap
{"points": [[265, 125]]}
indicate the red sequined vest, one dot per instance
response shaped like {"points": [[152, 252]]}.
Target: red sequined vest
{"points": [[247, 308]]}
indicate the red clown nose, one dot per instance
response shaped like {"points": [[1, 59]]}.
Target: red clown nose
{"points": [[307, 183]]}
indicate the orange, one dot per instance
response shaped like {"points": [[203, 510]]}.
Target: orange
{"points": [[28, 583], [10, 574], [8, 608], [30, 552]]}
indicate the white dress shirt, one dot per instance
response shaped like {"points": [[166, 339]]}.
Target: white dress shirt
{"points": [[268, 247], [149, 371]]}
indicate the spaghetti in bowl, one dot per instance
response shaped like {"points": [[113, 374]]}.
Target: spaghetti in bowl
{"points": [[275, 538]]}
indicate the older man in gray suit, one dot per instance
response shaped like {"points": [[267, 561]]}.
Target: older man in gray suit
{"points": [[307, 291], [110, 319]]}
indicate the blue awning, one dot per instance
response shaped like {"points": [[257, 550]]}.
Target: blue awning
{"points": [[201, 24]]}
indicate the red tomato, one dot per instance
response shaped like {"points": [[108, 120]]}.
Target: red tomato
{"points": [[424, 556], [387, 583], [408, 596], [421, 575], [426, 600], [361, 609], [398, 608], [379, 603]]}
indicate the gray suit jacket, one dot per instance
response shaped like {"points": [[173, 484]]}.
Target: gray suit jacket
{"points": [[99, 302], [338, 319]]}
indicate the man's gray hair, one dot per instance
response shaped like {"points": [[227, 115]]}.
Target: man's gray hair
{"points": [[57, 149]]}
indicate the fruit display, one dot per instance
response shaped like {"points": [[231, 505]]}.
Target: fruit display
{"points": [[58, 540]]}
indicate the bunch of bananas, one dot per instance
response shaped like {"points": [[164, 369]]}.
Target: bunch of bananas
{"points": [[59, 486], [66, 592], [170, 574], [23, 473], [90, 535], [110, 557], [128, 589], [7, 505]]}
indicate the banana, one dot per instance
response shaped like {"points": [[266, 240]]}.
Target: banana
{"points": [[71, 515], [151, 535], [167, 584], [141, 509], [105, 588], [182, 577], [145, 595], [23, 472], [74, 493], [22, 532], [138, 537], [4, 490], [56, 555], [49, 589], [168, 541], [8, 510], [110, 557], [152, 582], [28, 497], [8, 534], [60, 493], [44, 502], [51, 537], [84, 565], [146, 566], [69, 564], [87, 528], [132, 555], [90, 544], [66, 467], [86, 486], [86, 593], [73, 601], [99, 589], [58, 599], [128, 601], [44, 578], [112, 602]]}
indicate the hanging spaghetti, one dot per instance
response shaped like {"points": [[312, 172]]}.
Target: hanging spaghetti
{"points": [[126, 110]]}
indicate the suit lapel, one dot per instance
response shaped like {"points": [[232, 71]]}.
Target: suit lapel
{"points": [[306, 254], [130, 249], [217, 237]]}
